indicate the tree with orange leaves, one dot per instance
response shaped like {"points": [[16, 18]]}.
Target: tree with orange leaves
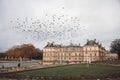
{"points": [[24, 51]]}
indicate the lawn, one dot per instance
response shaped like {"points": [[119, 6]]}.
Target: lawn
{"points": [[73, 70]]}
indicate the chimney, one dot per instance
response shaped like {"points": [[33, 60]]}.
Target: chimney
{"points": [[98, 43], [95, 40], [53, 42], [87, 40], [48, 42]]}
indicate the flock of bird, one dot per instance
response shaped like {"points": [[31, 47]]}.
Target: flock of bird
{"points": [[49, 26]]}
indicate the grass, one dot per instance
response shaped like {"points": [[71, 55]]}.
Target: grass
{"points": [[73, 70]]}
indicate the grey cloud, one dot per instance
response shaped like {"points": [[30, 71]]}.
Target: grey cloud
{"points": [[101, 18]]}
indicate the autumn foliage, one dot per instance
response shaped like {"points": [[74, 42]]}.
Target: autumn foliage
{"points": [[24, 51]]}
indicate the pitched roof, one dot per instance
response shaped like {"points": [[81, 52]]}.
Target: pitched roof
{"points": [[52, 45], [57, 45], [91, 42]]}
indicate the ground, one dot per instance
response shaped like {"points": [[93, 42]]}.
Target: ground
{"points": [[74, 70], [69, 72]]}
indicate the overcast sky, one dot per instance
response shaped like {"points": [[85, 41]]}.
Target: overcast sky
{"points": [[101, 19]]}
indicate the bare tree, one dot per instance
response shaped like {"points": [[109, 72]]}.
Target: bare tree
{"points": [[115, 47]]}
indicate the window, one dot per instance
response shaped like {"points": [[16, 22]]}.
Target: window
{"points": [[75, 54], [90, 54], [61, 54], [73, 49], [65, 58], [95, 54], [95, 48], [90, 49], [51, 54], [64, 54], [44, 54], [69, 54]]}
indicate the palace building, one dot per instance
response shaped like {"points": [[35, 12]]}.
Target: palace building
{"points": [[92, 51]]}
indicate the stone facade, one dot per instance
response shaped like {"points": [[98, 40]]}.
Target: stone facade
{"points": [[111, 56], [90, 52]]}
